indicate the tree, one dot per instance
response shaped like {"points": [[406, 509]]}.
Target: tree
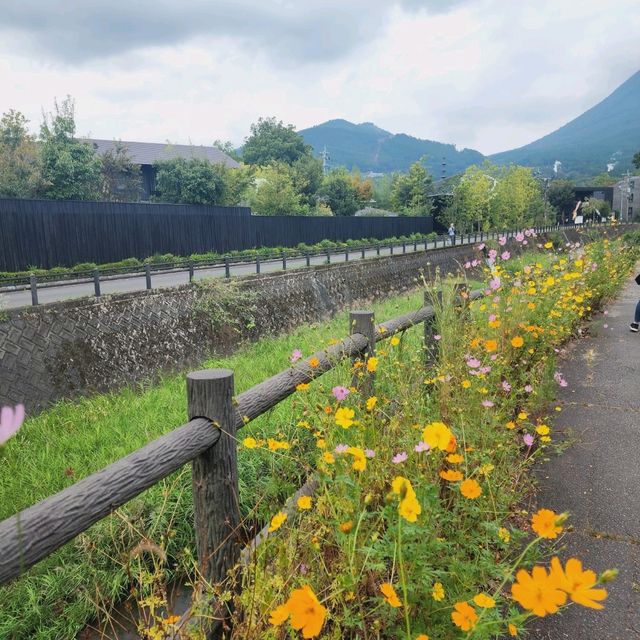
{"points": [[307, 176], [193, 181], [227, 147], [274, 194], [561, 197], [636, 160], [410, 191], [338, 192], [516, 199], [271, 141], [70, 167], [471, 200], [595, 210], [20, 165], [121, 179], [364, 188]]}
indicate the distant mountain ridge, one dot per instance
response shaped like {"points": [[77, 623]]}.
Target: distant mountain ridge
{"points": [[609, 132], [370, 148]]}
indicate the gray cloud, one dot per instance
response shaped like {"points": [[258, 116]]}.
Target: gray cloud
{"points": [[77, 31]]}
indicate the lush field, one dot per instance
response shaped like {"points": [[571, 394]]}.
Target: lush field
{"points": [[417, 529], [74, 439]]}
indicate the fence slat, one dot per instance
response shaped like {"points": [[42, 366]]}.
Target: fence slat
{"points": [[363, 322]]}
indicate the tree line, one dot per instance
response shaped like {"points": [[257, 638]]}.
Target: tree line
{"points": [[278, 174]]}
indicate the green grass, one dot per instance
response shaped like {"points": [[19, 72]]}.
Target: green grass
{"points": [[74, 439]]}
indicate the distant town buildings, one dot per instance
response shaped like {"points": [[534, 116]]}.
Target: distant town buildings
{"points": [[146, 154]]}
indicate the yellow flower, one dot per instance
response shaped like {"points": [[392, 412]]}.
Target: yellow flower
{"points": [[504, 534], [470, 489], [548, 245], [464, 616], [422, 636], [517, 342], [402, 487], [437, 435], [321, 443], [314, 362], [486, 469], [543, 430], [307, 614], [390, 594], [511, 424], [523, 415], [544, 523], [359, 459], [465, 384], [277, 521], [344, 417], [410, 509], [303, 386], [250, 443], [437, 593], [371, 403], [305, 502], [372, 365], [274, 445], [328, 457], [395, 341], [454, 458], [513, 630], [537, 592], [484, 601], [578, 584]]}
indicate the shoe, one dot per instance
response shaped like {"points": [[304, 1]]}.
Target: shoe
{"points": [[634, 327]]}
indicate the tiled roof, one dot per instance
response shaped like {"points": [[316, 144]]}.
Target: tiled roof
{"points": [[150, 152]]}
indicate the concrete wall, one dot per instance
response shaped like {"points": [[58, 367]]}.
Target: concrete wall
{"points": [[75, 348]]}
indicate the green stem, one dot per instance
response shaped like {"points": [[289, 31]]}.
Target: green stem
{"points": [[403, 580]]}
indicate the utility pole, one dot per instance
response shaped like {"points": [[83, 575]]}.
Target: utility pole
{"points": [[324, 154]]}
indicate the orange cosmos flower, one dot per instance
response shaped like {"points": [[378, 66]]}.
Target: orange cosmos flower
{"points": [[451, 476], [464, 616], [490, 345], [544, 523], [517, 342], [470, 489], [306, 612], [314, 362], [537, 592], [390, 594], [578, 583]]}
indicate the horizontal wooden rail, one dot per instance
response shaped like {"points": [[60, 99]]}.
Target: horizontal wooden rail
{"points": [[36, 532]]}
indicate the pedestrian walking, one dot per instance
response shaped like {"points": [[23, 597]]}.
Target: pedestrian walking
{"points": [[452, 234], [636, 318]]}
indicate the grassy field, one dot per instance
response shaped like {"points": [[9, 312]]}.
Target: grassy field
{"points": [[73, 439]]}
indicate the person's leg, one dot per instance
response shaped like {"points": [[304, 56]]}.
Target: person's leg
{"points": [[637, 314]]}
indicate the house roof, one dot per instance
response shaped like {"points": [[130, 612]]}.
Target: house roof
{"points": [[150, 152]]}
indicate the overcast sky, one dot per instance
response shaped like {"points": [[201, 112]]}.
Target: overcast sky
{"points": [[485, 74]]}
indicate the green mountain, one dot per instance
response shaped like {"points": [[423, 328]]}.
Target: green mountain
{"points": [[370, 148], [609, 132]]}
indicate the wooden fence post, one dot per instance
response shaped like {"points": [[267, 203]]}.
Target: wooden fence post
{"points": [[147, 275], [364, 322], [433, 299], [33, 284], [96, 283], [215, 474]]}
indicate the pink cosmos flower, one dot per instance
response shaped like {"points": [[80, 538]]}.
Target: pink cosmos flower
{"points": [[505, 255], [606, 326], [487, 403], [493, 254], [296, 354], [502, 240], [421, 446], [369, 453], [473, 363], [484, 369], [340, 393], [519, 237], [341, 448], [10, 421], [481, 246], [494, 283], [467, 265], [506, 386], [559, 378], [494, 357], [528, 388], [492, 317], [525, 242], [437, 337], [475, 263], [399, 457], [528, 439]]}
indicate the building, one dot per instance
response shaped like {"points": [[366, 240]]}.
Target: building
{"points": [[146, 154], [626, 197]]}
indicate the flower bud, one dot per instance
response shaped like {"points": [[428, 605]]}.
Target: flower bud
{"points": [[608, 575]]}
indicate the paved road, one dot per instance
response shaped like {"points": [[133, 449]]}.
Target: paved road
{"points": [[16, 299], [598, 478]]}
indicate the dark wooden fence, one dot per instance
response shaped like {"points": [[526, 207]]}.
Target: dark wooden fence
{"points": [[209, 441], [48, 233]]}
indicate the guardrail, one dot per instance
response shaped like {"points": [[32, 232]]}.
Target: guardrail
{"points": [[97, 276]]}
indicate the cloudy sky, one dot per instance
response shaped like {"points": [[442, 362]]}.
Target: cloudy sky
{"points": [[485, 74]]}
